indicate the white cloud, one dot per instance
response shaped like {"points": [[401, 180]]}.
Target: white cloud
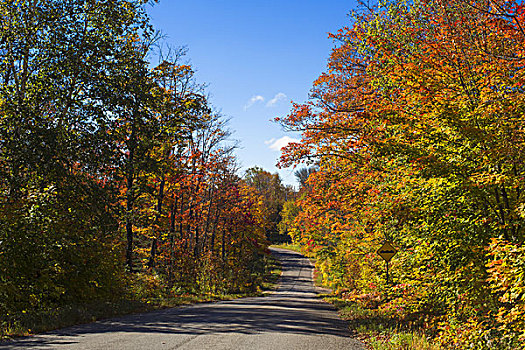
{"points": [[277, 144], [253, 100], [280, 96]]}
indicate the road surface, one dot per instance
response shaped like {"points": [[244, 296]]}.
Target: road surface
{"points": [[290, 318]]}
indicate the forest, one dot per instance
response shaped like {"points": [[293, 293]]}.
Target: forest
{"points": [[118, 179], [415, 135]]}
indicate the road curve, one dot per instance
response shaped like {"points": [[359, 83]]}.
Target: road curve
{"points": [[290, 318]]}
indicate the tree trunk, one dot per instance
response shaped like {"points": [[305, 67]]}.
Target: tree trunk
{"points": [[154, 242], [130, 198]]}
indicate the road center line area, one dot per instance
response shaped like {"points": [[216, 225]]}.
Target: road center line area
{"points": [[292, 317]]}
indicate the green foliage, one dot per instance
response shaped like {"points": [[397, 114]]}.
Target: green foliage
{"points": [[288, 213], [274, 195], [380, 328], [116, 180], [506, 271], [417, 131], [58, 237]]}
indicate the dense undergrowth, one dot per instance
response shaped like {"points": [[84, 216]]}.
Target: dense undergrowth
{"points": [[380, 327], [143, 293], [119, 186], [378, 324], [414, 135]]}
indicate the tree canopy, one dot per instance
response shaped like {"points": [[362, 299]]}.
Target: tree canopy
{"points": [[117, 177], [417, 127]]}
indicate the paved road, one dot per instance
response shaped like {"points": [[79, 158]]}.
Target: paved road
{"points": [[290, 318]]}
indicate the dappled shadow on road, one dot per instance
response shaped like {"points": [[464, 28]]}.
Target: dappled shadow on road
{"points": [[292, 309]]}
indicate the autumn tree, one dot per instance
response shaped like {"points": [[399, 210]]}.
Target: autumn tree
{"points": [[417, 129], [58, 236], [270, 187]]}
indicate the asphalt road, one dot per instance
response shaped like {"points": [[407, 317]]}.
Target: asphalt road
{"points": [[290, 318]]}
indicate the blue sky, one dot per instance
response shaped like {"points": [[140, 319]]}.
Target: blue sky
{"points": [[256, 56]]}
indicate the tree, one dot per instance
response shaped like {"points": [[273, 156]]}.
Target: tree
{"points": [[269, 186], [59, 232], [303, 174], [416, 127]]}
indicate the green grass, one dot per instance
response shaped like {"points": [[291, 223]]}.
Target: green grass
{"points": [[294, 247], [42, 320], [272, 273], [38, 321], [32, 322], [377, 329], [401, 341], [318, 279], [380, 331]]}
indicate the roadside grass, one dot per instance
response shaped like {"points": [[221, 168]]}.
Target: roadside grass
{"points": [[273, 271], [37, 321], [294, 247], [377, 329], [318, 279], [32, 322], [380, 331]]}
